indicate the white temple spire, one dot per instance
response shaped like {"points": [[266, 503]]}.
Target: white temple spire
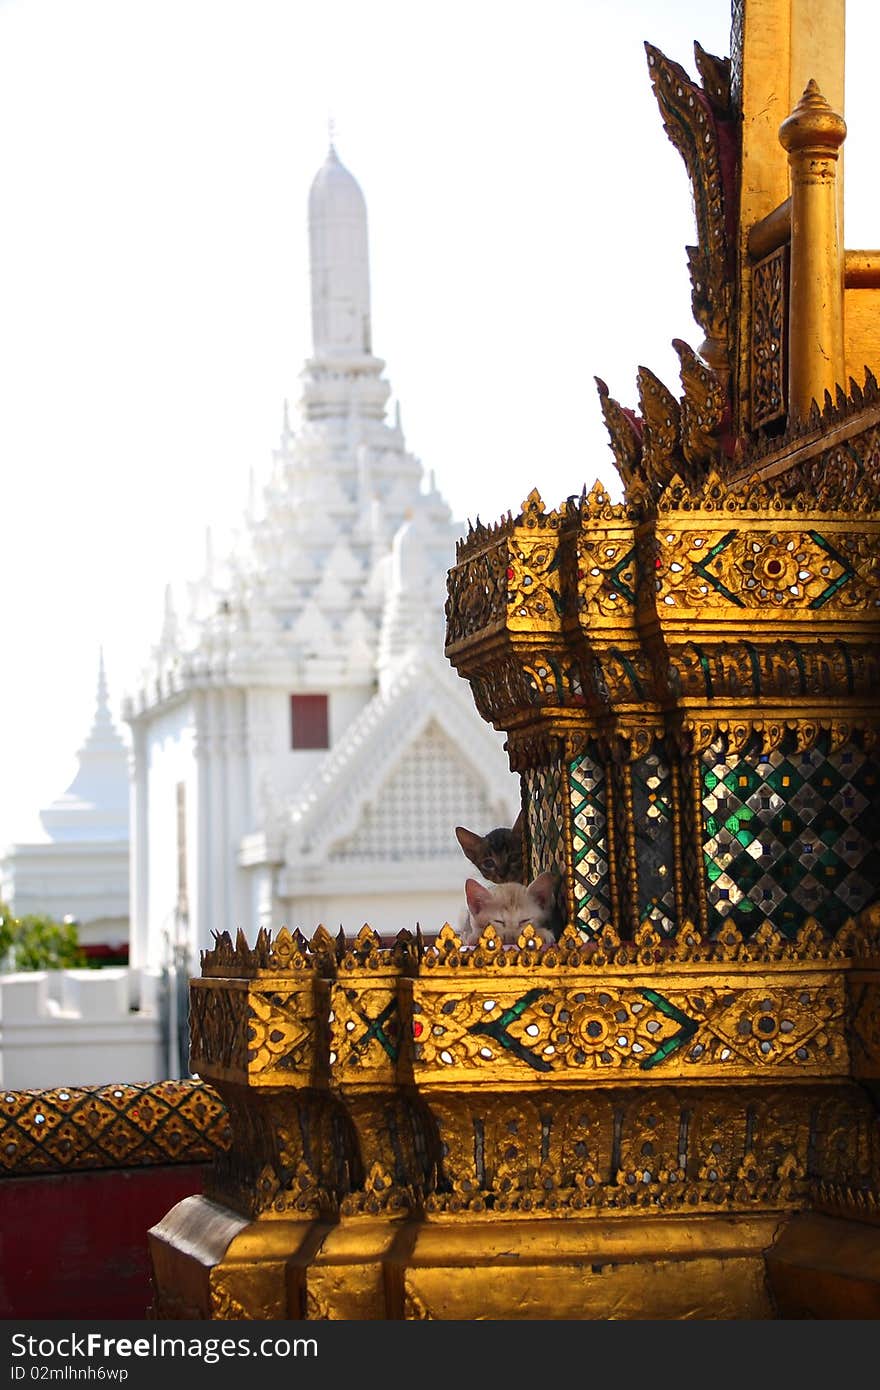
{"points": [[95, 805], [339, 263], [169, 621], [103, 697], [103, 734]]}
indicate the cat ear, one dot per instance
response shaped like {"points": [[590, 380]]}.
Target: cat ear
{"points": [[477, 896], [543, 889], [471, 844], [516, 828]]}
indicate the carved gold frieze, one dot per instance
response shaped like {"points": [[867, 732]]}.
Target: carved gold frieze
{"points": [[477, 600], [534, 595], [812, 574], [529, 1026], [607, 577], [366, 1036], [615, 1152], [248, 1031], [864, 1024]]}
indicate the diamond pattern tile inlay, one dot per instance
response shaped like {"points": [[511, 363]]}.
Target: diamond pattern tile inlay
{"points": [[652, 810], [589, 824], [788, 835], [545, 817], [110, 1126]]}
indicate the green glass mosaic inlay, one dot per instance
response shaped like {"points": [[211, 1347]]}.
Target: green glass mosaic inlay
{"points": [[788, 835]]}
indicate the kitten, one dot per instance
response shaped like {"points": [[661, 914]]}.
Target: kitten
{"points": [[498, 855], [509, 908]]}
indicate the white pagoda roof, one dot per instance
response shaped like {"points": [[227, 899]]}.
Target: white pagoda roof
{"points": [[323, 552]]}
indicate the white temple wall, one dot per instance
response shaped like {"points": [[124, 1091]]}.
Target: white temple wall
{"points": [[268, 735], [240, 813], [138, 871], [170, 761], [345, 706], [386, 912], [77, 1028]]}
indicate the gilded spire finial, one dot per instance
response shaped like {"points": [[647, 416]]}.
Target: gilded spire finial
{"points": [[813, 123], [812, 136]]}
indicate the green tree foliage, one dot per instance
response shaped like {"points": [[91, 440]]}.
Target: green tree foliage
{"points": [[38, 943], [6, 932]]}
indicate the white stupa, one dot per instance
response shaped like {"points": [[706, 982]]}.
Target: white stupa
{"points": [[302, 750], [79, 866]]}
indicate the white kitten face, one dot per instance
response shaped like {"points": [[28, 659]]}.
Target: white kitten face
{"points": [[508, 907]]}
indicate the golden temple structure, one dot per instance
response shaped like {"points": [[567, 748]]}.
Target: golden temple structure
{"points": [[673, 1111]]}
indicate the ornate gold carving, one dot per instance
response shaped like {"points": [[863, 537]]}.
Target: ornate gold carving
{"points": [[217, 1028], [864, 1028], [366, 1035], [477, 600], [278, 1032], [693, 126], [769, 366], [852, 1203], [256, 1031], [77, 1127], [607, 572], [843, 428], [661, 431], [285, 950], [811, 573], [665, 671], [531, 1028], [659, 1149], [625, 431], [703, 409], [533, 586]]}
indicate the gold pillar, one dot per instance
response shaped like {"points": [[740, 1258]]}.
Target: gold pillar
{"points": [[781, 44], [784, 44], [813, 135]]}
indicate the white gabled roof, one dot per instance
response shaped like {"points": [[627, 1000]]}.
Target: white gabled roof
{"points": [[351, 778]]}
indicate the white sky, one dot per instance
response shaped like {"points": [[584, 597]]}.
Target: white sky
{"points": [[528, 219]]}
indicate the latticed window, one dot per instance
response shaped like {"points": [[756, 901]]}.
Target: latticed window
{"points": [[416, 811]]}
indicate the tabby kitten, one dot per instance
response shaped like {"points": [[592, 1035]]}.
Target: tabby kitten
{"points": [[498, 855], [509, 907]]}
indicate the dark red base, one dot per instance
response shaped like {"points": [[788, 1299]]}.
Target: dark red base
{"points": [[74, 1245]]}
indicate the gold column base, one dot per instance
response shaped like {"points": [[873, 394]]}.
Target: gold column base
{"points": [[704, 1267], [210, 1263], [351, 1275]]}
